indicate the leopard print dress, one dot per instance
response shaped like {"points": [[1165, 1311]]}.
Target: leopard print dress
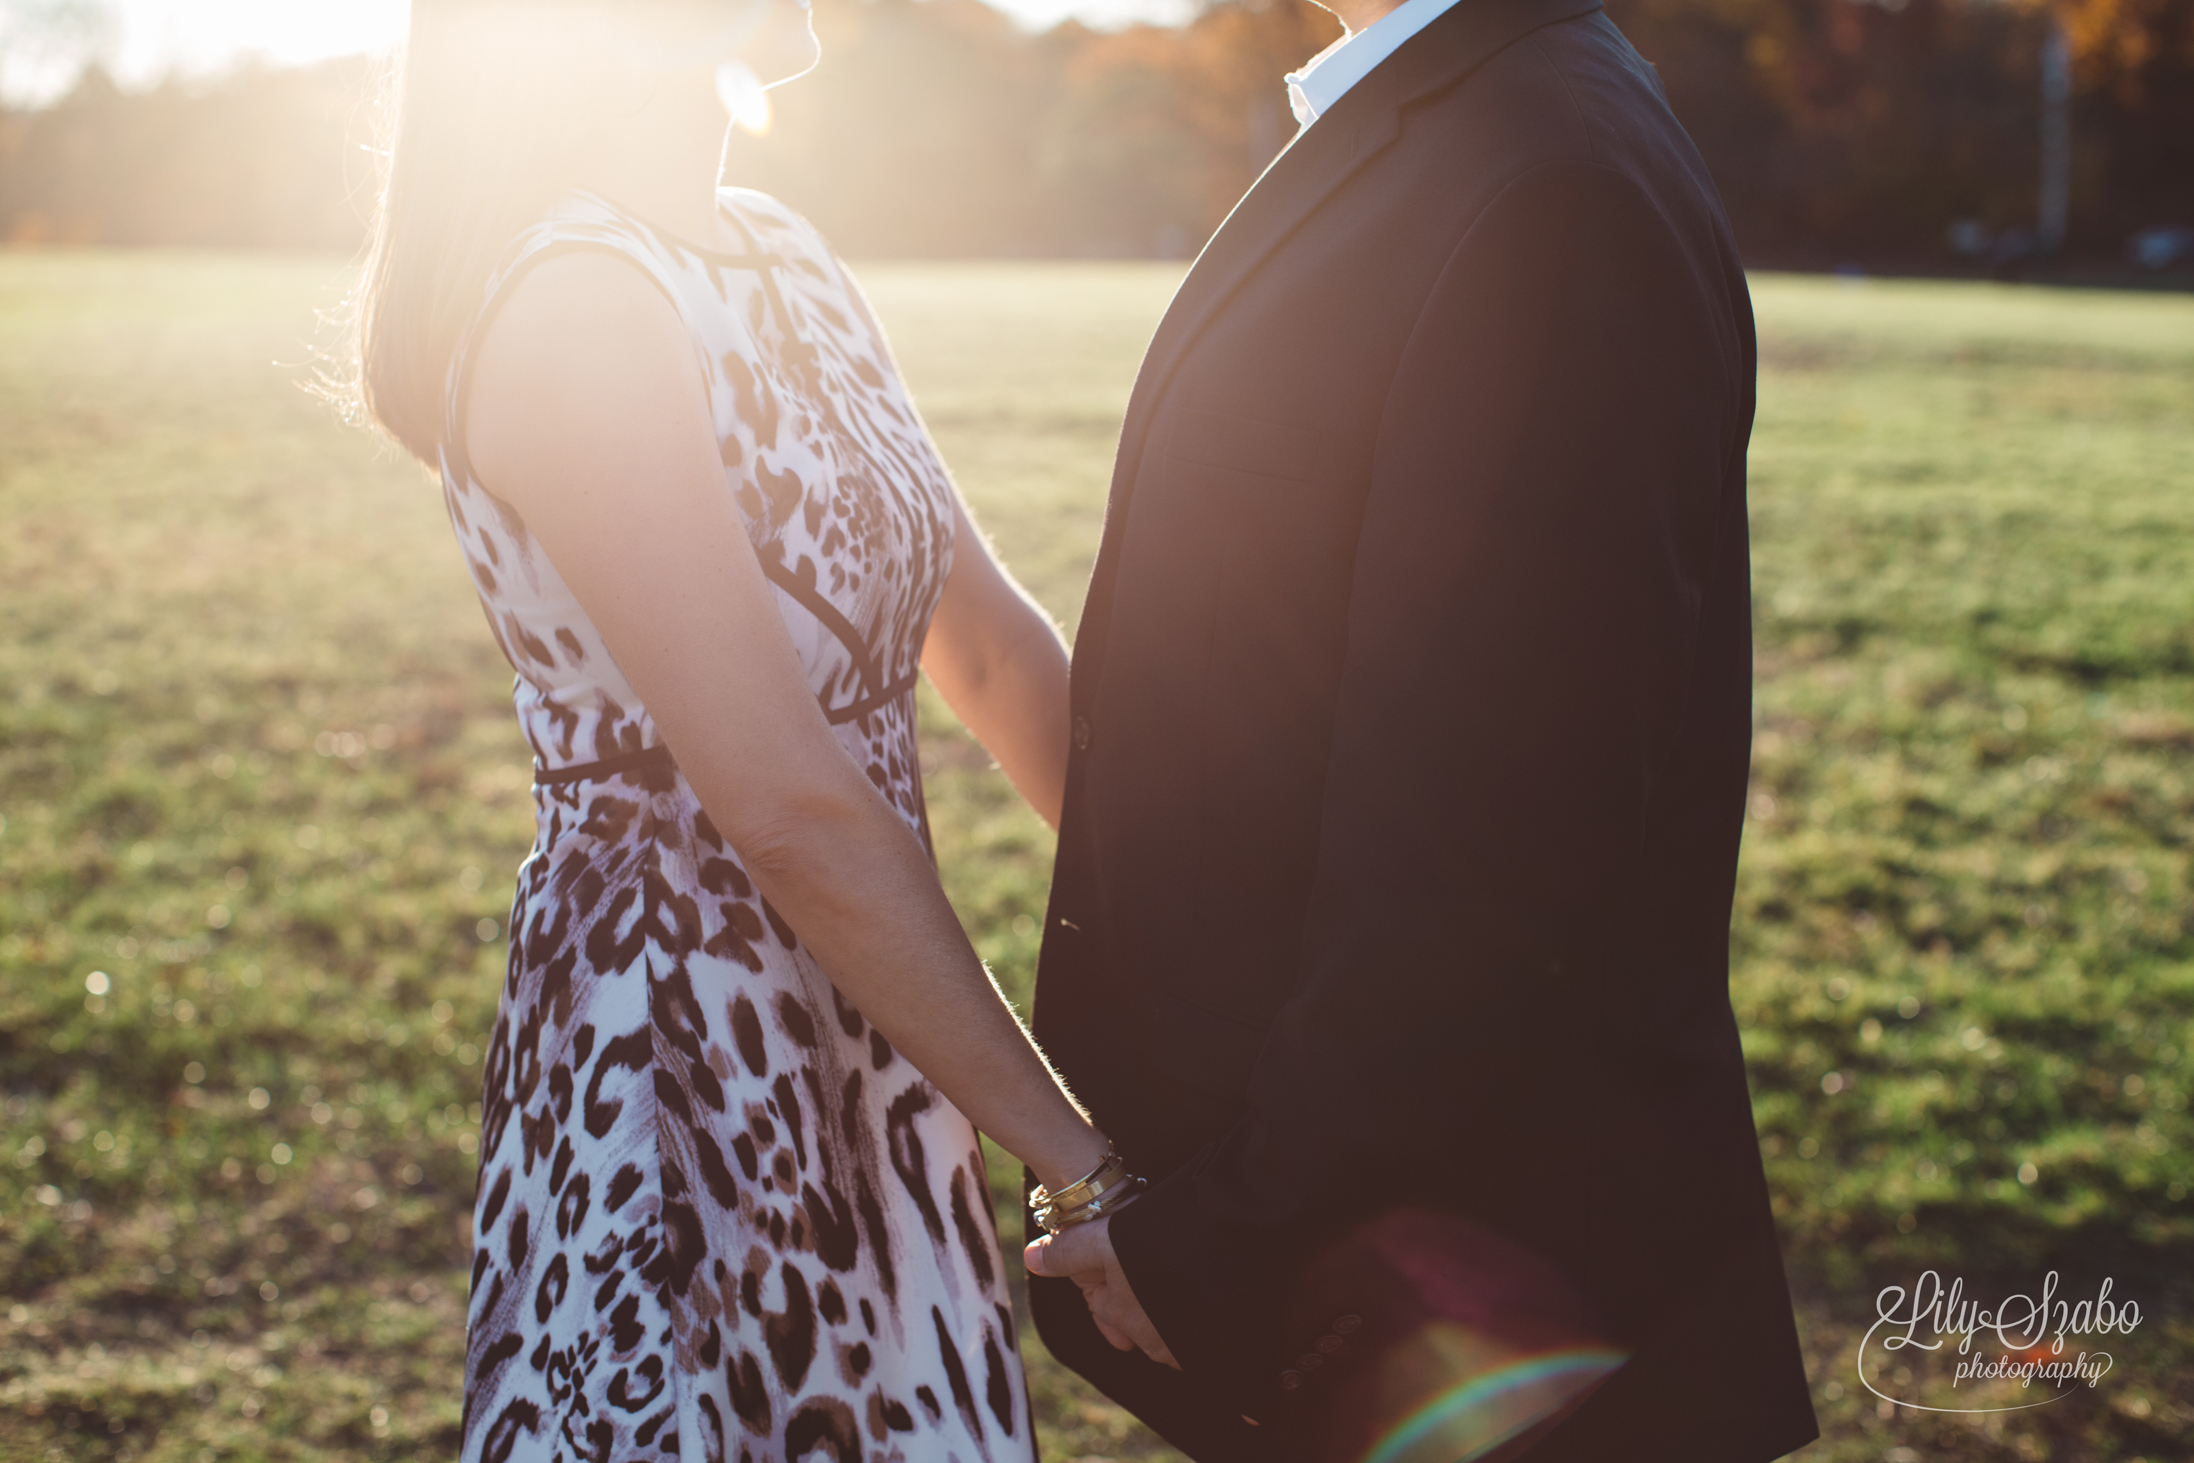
{"points": [[718, 1217]]}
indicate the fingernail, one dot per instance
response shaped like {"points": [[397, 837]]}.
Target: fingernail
{"points": [[1033, 1257]]}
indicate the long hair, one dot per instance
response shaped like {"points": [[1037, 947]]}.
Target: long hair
{"points": [[488, 96]]}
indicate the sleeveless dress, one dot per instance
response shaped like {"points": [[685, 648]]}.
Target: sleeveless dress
{"points": [[718, 1216]]}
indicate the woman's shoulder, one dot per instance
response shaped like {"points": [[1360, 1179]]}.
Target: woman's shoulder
{"points": [[775, 226], [576, 222], [573, 217], [577, 255]]}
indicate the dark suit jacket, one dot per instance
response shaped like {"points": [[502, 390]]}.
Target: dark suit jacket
{"points": [[1412, 727]]}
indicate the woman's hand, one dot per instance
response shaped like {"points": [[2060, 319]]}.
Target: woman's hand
{"points": [[1083, 1254]]}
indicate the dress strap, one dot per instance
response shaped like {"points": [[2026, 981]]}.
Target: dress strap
{"points": [[646, 759]]}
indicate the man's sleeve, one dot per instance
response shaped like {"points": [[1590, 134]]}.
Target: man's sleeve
{"points": [[1534, 551]]}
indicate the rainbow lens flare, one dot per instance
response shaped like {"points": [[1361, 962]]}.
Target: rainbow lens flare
{"points": [[1445, 1341], [1473, 1416]]}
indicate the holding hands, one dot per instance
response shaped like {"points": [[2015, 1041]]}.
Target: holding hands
{"points": [[1083, 1253]]}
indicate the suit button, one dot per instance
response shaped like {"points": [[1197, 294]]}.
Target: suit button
{"points": [[1309, 1361], [1291, 1380], [1081, 733], [1329, 1344], [1347, 1324]]}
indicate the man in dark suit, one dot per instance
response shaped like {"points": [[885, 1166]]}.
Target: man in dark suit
{"points": [[1411, 722]]}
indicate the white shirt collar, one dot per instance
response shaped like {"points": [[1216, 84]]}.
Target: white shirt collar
{"points": [[1328, 75]]}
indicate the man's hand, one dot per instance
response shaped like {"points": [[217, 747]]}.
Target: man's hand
{"points": [[1083, 1254]]}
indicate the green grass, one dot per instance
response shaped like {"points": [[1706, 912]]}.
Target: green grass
{"points": [[1966, 880], [258, 768]]}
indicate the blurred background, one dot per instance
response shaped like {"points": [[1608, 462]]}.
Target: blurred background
{"points": [[262, 796], [1912, 135]]}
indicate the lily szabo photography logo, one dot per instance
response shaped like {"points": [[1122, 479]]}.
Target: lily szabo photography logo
{"points": [[1936, 1349]]}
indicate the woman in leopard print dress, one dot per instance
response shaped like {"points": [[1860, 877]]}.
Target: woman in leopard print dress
{"points": [[731, 1203]]}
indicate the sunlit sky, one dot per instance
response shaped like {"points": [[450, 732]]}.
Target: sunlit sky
{"points": [[149, 39]]}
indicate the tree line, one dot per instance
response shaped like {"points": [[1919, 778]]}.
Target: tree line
{"points": [[1872, 130]]}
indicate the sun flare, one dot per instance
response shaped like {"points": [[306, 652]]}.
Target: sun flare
{"points": [[194, 35]]}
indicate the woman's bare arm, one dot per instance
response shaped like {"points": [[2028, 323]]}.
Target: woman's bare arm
{"points": [[998, 661], [588, 415]]}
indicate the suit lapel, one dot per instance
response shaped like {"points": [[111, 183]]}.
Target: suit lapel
{"points": [[1325, 155], [1320, 159]]}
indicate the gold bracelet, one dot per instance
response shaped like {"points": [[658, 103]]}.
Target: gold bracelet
{"points": [[1108, 1170], [1100, 1191], [1051, 1219]]}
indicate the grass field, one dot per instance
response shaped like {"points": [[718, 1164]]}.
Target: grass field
{"points": [[261, 799]]}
